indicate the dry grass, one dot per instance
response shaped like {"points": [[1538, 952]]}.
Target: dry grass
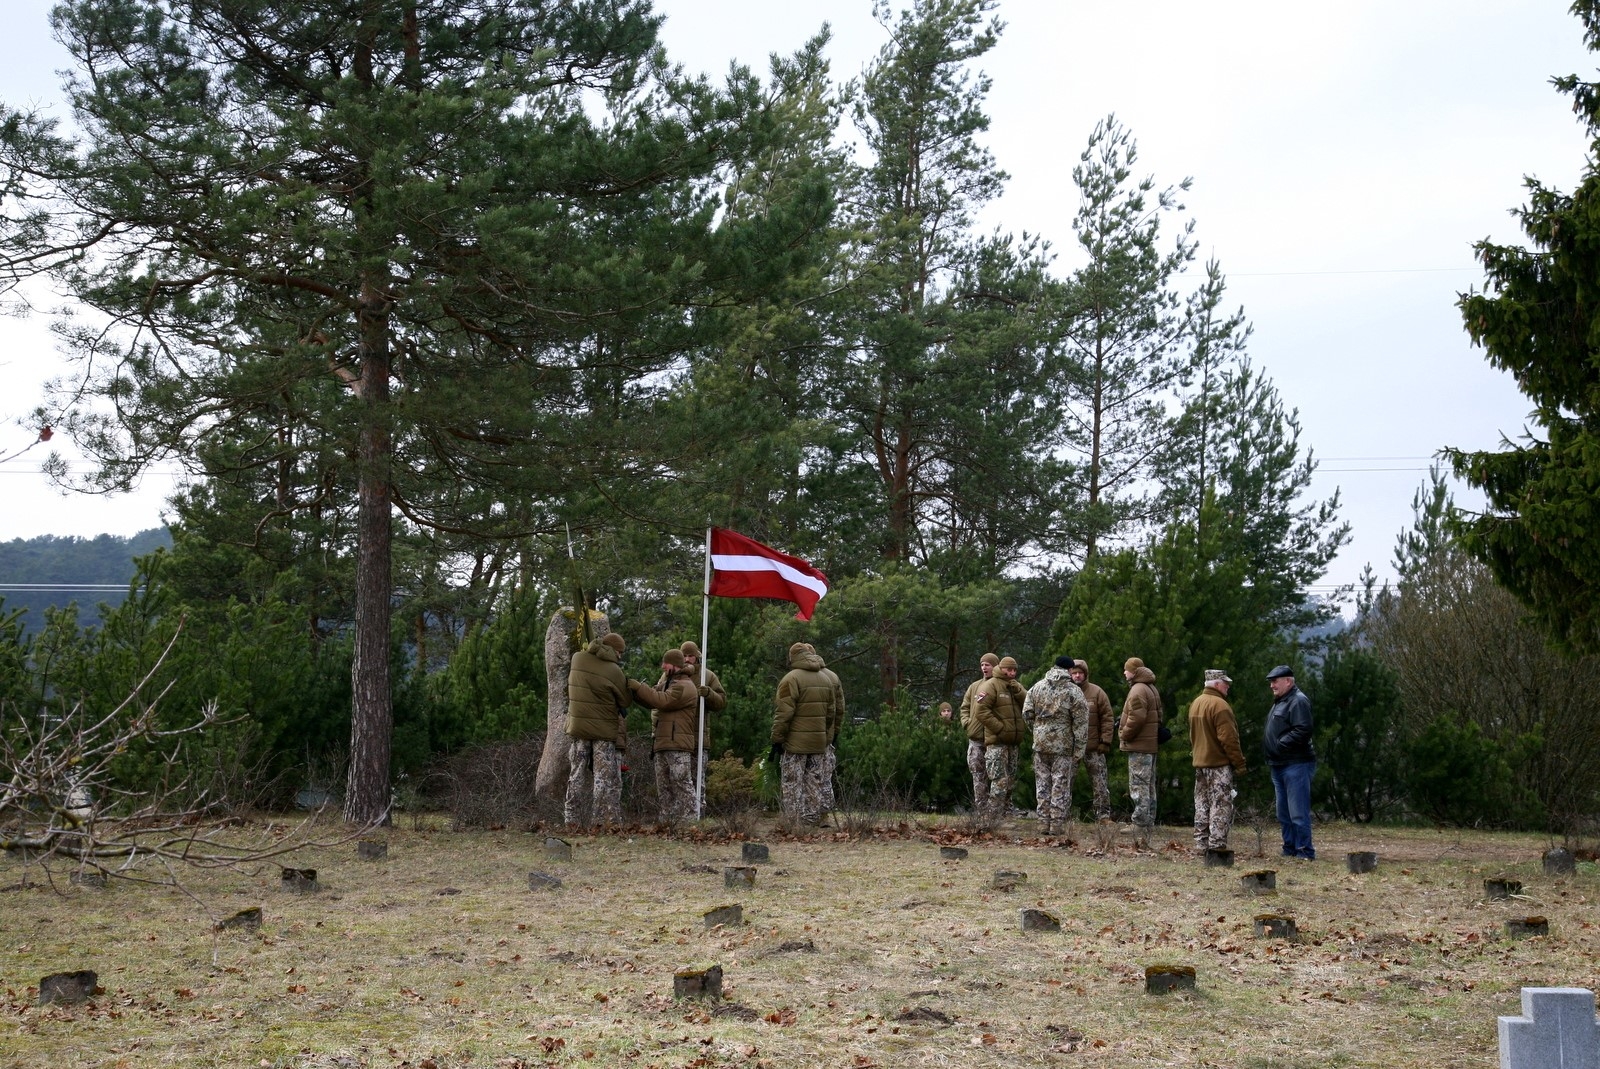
{"points": [[441, 955]]}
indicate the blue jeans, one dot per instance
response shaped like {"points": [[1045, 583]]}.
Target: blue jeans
{"points": [[1292, 785]]}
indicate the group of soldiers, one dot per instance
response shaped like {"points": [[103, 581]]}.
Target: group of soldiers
{"points": [[809, 709], [1070, 718]]}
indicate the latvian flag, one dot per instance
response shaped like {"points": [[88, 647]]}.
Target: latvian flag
{"points": [[744, 568]]}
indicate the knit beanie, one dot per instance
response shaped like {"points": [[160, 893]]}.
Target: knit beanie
{"points": [[1131, 663], [1065, 663], [614, 640], [1008, 662], [989, 659], [673, 658]]}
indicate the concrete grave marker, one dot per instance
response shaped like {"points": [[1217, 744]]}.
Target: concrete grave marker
{"points": [[697, 983], [68, 988], [1219, 859], [755, 853], [248, 919], [739, 877], [1557, 1028], [300, 881], [88, 878], [1523, 927], [1496, 889], [372, 850], [557, 849], [1276, 926], [1007, 880], [953, 853], [1559, 862], [729, 916], [1037, 920], [1360, 861], [543, 881], [1259, 882], [1159, 979]]}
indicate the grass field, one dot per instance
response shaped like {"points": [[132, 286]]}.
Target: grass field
{"points": [[854, 953]]}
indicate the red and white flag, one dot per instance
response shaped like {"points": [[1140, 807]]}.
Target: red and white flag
{"points": [[744, 568]]}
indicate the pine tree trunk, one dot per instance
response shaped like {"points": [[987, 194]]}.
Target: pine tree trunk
{"points": [[366, 797]]}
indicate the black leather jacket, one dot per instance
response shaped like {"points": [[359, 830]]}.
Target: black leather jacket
{"points": [[1287, 740]]}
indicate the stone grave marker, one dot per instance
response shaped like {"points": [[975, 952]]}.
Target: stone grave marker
{"points": [[543, 881], [1038, 920], [557, 849], [953, 853], [739, 877], [89, 878], [1557, 1028], [1360, 861], [68, 988], [697, 983], [1524, 927], [300, 881], [248, 919], [1219, 859], [1501, 888], [730, 915], [372, 850], [1259, 882], [1275, 926], [755, 853], [1007, 880], [1559, 862], [1159, 979]]}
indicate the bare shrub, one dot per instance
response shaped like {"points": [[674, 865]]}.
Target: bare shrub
{"points": [[492, 785], [639, 800], [863, 807]]}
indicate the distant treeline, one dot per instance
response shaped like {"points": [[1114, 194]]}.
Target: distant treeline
{"points": [[68, 561]]}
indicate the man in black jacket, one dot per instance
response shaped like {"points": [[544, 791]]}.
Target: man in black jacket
{"points": [[1287, 741]]}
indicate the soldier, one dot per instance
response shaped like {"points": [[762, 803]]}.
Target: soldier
{"points": [[597, 699], [1141, 725], [1217, 759], [969, 723], [1102, 721], [805, 705], [673, 711], [997, 707], [830, 762], [711, 690], [1058, 714]]}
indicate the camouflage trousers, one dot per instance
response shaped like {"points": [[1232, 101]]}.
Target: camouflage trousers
{"points": [[1213, 807], [1052, 788], [595, 775], [1001, 764], [1142, 788], [674, 785], [802, 786], [980, 775], [1096, 764], [830, 764]]}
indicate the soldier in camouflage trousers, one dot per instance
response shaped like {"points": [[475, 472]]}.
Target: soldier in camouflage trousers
{"points": [[977, 764], [1217, 758], [597, 697], [1057, 713]]}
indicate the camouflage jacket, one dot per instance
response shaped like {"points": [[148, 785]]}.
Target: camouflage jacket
{"points": [[1058, 714]]}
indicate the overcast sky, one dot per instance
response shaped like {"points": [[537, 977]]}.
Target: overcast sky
{"points": [[1344, 158]]}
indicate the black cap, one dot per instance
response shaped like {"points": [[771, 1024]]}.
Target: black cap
{"points": [[1281, 671], [1064, 662]]}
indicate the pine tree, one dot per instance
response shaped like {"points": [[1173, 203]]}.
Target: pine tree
{"points": [[408, 261]]}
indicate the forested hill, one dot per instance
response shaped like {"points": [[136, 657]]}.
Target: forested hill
{"points": [[66, 565]]}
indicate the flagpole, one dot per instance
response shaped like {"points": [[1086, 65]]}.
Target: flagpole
{"points": [[700, 730]]}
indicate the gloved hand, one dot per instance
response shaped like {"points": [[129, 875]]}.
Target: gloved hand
{"points": [[776, 752]]}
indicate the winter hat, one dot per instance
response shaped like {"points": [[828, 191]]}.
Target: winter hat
{"points": [[1081, 665], [1065, 663], [689, 649], [1008, 662], [1131, 663], [1280, 672], [989, 659], [614, 640], [1217, 675], [798, 649], [673, 658]]}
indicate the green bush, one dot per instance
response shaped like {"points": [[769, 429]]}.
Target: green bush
{"points": [[919, 755]]}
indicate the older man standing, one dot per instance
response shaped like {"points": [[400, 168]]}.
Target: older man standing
{"points": [[1214, 735], [1287, 741], [1102, 720], [1056, 711]]}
